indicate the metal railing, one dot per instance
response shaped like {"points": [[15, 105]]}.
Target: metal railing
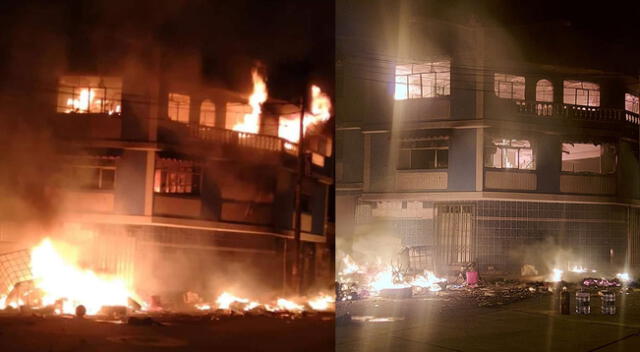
{"points": [[577, 112]]}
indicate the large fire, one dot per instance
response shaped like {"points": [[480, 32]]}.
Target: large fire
{"points": [[289, 126], [60, 282], [87, 102], [58, 278], [380, 277], [228, 301], [251, 121]]}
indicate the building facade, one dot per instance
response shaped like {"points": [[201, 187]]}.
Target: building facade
{"points": [[468, 150]]}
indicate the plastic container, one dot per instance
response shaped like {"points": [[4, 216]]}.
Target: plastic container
{"points": [[472, 277], [583, 303], [608, 303]]}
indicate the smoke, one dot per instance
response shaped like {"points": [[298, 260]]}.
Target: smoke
{"points": [[546, 255], [373, 244]]}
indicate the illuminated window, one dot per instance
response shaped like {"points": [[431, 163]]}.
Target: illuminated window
{"points": [[510, 154], [425, 80], [508, 86], [176, 176], [178, 107], [589, 158], [423, 154], [207, 113], [235, 114], [544, 91], [90, 94], [631, 103], [581, 93]]}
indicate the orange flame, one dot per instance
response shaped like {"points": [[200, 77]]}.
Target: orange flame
{"points": [[251, 122], [59, 278], [289, 126]]}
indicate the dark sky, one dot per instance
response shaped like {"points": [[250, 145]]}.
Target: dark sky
{"points": [[584, 33], [293, 39]]}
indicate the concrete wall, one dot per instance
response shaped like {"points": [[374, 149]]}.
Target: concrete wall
{"points": [[462, 160], [130, 187]]}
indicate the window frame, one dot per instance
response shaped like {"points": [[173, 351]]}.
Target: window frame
{"points": [[582, 89], [434, 69], [518, 150], [410, 150], [169, 177], [497, 82], [171, 99], [601, 157]]}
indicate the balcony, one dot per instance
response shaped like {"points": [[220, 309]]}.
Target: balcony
{"points": [[509, 180], [575, 112], [588, 184], [184, 206]]}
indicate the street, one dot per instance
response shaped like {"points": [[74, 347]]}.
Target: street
{"points": [[534, 324]]}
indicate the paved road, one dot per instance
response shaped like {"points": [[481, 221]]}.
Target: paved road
{"points": [[531, 325], [57, 334]]}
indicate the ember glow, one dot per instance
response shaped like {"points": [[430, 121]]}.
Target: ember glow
{"points": [[87, 102], [289, 126], [380, 277], [59, 279], [251, 122], [229, 301], [578, 269]]}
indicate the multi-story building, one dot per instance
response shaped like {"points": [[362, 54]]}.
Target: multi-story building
{"points": [[470, 149], [144, 160]]}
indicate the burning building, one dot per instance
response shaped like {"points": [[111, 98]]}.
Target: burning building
{"points": [[475, 142], [155, 168]]}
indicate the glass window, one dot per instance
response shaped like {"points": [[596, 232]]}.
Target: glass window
{"points": [[509, 86], [90, 94], [544, 91], [423, 158], [177, 177], [207, 113], [581, 93], [588, 158], [510, 154], [178, 109], [631, 103], [424, 80]]}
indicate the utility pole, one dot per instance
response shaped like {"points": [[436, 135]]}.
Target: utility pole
{"points": [[297, 262]]}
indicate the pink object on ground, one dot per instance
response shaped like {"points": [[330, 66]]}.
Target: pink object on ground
{"points": [[472, 277]]}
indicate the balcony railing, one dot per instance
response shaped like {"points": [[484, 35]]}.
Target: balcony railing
{"points": [[243, 139], [577, 112]]}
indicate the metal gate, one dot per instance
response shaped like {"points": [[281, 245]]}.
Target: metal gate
{"points": [[455, 235]]}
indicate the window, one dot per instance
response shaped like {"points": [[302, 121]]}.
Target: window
{"points": [[96, 177], [588, 158], [235, 114], [90, 94], [544, 91], [510, 154], [631, 103], [425, 80], [207, 113], [176, 176], [423, 154], [581, 93], [179, 107], [508, 86]]}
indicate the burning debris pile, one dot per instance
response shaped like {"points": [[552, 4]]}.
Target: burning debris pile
{"points": [[361, 281], [58, 285]]}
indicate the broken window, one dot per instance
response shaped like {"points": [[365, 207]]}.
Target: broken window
{"points": [[631, 103], [177, 176], [423, 154], [508, 86], [581, 93], [425, 80], [207, 113], [179, 107], [235, 114], [544, 91], [589, 158], [90, 94], [510, 154]]}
